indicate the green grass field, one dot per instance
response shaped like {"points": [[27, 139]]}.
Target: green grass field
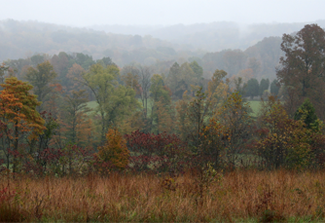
{"points": [[255, 105], [92, 104]]}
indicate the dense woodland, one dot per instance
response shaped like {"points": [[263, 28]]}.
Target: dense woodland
{"points": [[71, 112]]}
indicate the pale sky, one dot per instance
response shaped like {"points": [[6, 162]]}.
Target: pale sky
{"points": [[161, 12]]}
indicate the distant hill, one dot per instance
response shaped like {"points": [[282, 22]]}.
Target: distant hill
{"points": [[220, 45], [21, 39], [214, 36]]}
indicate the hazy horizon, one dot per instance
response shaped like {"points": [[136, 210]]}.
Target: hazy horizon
{"points": [[85, 13]]}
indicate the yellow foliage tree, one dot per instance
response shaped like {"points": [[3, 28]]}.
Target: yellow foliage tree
{"points": [[114, 154]]}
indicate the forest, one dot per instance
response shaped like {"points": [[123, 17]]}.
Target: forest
{"points": [[223, 136]]}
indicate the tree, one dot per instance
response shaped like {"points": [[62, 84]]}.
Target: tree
{"points": [[164, 117], [212, 148], [40, 78], [182, 78], [173, 77], [114, 155], [217, 90], [286, 142], [84, 60], [74, 74], [38, 59], [61, 64], [132, 81], [275, 87], [3, 69], [188, 79], [75, 107], [106, 61], [237, 85], [102, 82], [114, 101], [306, 113], [45, 139], [193, 113], [252, 89], [18, 113], [264, 85], [157, 89], [302, 68], [144, 81], [161, 118], [236, 121], [197, 69]]}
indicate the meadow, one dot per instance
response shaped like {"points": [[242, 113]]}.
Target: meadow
{"points": [[255, 106], [237, 196]]}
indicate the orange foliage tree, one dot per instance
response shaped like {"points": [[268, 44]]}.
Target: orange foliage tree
{"points": [[18, 114]]}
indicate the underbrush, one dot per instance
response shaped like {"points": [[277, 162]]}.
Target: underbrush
{"points": [[204, 195]]}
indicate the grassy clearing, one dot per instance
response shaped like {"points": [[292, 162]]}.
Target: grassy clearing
{"points": [[246, 196], [93, 104], [255, 106]]}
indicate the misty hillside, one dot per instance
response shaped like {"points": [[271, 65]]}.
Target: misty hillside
{"points": [[225, 45], [214, 36], [21, 39]]}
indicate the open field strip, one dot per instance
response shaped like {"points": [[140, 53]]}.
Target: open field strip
{"points": [[247, 196]]}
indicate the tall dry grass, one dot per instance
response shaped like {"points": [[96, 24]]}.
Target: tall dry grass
{"points": [[237, 196]]}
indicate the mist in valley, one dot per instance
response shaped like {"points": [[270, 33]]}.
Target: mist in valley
{"points": [[218, 35]]}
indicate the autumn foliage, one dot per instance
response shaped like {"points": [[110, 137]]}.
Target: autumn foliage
{"points": [[290, 143], [161, 152], [113, 155]]}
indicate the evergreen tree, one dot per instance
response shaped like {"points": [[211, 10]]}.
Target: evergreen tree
{"points": [[275, 87], [264, 85], [252, 88], [306, 112]]}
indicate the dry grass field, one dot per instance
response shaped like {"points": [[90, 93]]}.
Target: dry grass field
{"points": [[246, 196]]}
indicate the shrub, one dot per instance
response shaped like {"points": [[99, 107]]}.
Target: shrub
{"points": [[161, 152], [289, 143], [114, 155], [56, 161]]}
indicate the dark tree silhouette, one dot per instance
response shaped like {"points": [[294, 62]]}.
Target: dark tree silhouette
{"points": [[302, 69]]}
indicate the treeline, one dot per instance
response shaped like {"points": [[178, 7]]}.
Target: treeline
{"points": [[146, 121], [254, 89]]}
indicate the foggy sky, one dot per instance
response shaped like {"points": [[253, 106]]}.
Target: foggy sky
{"points": [[161, 12]]}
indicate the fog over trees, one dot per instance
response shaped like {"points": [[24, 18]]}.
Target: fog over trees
{"points": [[219, 45]]}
